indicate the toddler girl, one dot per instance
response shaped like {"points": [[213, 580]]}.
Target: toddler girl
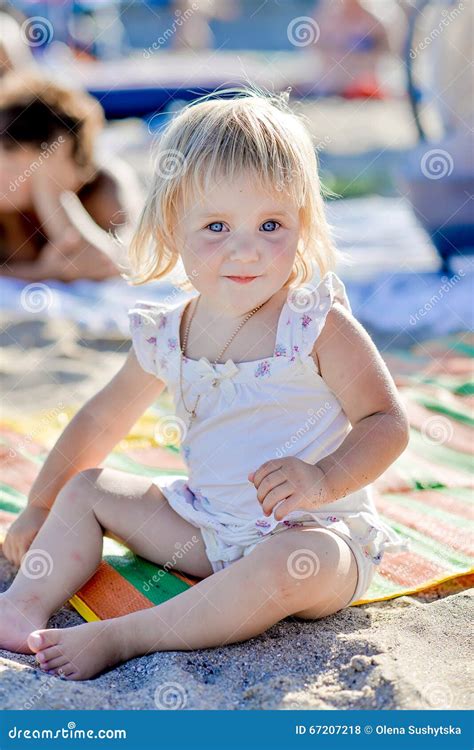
{"points": [[285, 412]]}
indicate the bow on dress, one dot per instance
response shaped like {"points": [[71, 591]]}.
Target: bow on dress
{"points": [[221, 378]]}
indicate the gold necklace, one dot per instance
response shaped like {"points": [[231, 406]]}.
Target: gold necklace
{"points": [[192, 412]]}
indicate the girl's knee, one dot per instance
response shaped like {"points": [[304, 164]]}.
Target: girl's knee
{"points": [[80, 488], [287, 565], [301, 567]]}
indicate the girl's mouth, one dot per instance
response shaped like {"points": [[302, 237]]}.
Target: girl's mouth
{"points": [[242, 279]]}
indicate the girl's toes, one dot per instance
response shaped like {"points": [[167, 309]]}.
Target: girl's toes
{"points": [[48, 654], [67, 672], [59, 672], [55, 663], [72, 675], [40, 640]]}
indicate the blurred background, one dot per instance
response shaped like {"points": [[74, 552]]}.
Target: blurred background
{"points": [[385, 87]]}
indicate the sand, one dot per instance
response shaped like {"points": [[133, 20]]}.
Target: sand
{"points": [[409, 652], [406, 653]]}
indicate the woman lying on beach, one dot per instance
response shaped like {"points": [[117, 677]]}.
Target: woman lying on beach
{"points": [[284, 425], [58, 204]]}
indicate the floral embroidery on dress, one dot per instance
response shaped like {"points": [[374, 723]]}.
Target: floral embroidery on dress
{"points": [[262, 523], [294, 350], [201, 497], [280, 350], [196, 499], [163, 321], [151, 340], [172, 344], [332, 518], [186, 452], [262, 369]]}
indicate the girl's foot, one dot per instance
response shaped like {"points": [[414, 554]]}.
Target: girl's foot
{"points": [[18, 617], [79, 652]]}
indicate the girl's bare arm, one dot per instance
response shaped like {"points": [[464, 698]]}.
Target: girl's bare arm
{"points": [[353, 368], [96, 429]]}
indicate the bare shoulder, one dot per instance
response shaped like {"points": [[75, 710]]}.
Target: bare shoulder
{"points": [[352, 366], [340, 330]]}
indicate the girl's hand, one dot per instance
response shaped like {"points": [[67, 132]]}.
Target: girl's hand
{"points": [[22, 533], [293, 483]]}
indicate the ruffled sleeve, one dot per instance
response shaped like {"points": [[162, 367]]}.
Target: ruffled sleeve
{"points": [[308, 306], [148, 323]]}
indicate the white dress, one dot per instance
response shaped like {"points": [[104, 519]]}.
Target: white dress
{"points": [[249, 413]]}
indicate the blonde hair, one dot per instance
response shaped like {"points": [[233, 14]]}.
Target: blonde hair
{"points": [[219, 138]]}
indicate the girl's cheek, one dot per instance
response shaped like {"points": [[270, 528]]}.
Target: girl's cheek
{"points": [[209, 249], [283, 248]]}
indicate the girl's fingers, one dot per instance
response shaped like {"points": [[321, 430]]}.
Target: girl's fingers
{"points": [[286, 507], [268, 485], [277, 494], [264, 470]]}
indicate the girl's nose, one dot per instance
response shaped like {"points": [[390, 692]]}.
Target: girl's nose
{"points": [[242, 248]]}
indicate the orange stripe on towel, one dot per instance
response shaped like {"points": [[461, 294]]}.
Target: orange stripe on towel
{"points": [[448, 534], [408, 569], [443, 501], [108, 594], [458, 437]]}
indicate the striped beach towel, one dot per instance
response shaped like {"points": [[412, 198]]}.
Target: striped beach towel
{"points": [[426, 495]]}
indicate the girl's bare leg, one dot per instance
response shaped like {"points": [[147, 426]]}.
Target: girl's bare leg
{"points": [[68, 548], [307, 572]]}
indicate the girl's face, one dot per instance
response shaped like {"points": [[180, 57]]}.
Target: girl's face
{"points": [[238, 230]]}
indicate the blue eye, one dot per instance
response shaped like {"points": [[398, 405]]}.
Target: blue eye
{"points": [[215, 224], [270, 226]]}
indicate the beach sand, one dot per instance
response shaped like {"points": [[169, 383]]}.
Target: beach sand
{"points": [[406, 653]]}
